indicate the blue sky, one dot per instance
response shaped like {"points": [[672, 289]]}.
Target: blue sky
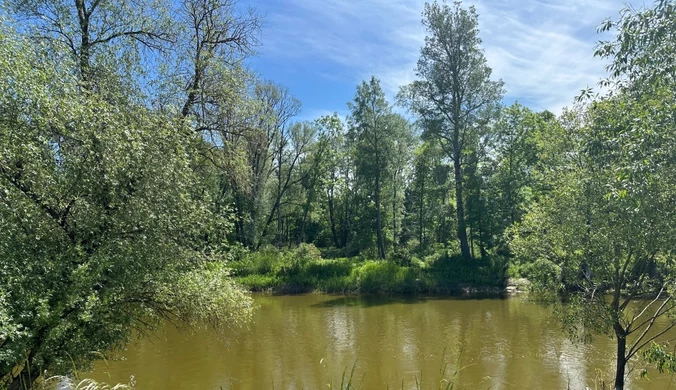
{"points": [[321, 49]]}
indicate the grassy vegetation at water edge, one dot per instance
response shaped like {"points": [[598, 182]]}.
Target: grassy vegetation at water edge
{"points": [[303, 269]]}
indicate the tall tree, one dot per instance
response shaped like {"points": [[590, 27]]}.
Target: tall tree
{"points": [[332, 139], [604, 235], [402, 149], [372, 129], [510, 176], [213, 39], [454, 93]]}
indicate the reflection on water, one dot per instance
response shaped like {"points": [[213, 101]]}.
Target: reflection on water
{"points": [[308, 341]]}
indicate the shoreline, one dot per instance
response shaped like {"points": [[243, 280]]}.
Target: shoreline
{"points": [[512, 286]]}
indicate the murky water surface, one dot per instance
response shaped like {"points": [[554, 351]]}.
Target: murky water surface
{"points": [[311, 341]]}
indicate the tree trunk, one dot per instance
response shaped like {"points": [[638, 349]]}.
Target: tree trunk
{"points": [[482, 248], [279, 196], [345, 222], [306, 209], [332, 219], [621, 356], [421, 228], [462, 227], [379, 221], [394, 208], [444, 231], [471, 241], [83, 18]]}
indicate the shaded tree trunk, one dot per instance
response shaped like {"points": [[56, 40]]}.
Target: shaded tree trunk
{"points": [[394, 208], [306, 209], [279, 193], [421, 212], [83, 19], [462, 227], [444, 227], [332, 219], [621, 362], [379, 221]]}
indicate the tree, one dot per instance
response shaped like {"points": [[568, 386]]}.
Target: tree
{"points": [[607, 227], [607, 224], [428, 207], [214, 39], [511, 181], [643, 52], [103, 221], [372, 129], [402, 149], [332, 165], [454, 93], [96, 31]]}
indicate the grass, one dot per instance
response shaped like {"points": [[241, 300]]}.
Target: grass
{"points": [[446, 379], [303, 269]]}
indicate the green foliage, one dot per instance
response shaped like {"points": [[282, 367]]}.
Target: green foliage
{"points": [[380, 141], [119, 204], [103, 217], [385, 277], [603, 234], [642, 54], [661, 357], [288, 271], [453, 96], [207, 297]]}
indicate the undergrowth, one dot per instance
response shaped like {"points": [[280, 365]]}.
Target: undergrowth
{"points": [[303, 269]]}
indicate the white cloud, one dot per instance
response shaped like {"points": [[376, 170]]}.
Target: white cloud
{"points": [[315, 113], [542, 49]]}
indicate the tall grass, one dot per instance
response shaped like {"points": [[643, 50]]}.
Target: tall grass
{"points": [[445, 379]]}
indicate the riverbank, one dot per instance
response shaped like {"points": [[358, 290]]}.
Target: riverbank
{"points": [[303, 270]]}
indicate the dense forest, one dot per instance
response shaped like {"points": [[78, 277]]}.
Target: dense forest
{"points": [[142, 163]]}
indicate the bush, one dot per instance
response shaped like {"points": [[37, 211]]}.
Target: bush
{"points": [[401, 256], [307, 252]]}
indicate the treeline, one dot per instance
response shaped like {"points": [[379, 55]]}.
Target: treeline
{"points": [[455, 175], [376, 183]]}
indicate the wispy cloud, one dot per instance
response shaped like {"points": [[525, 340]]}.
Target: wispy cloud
{"points": [[542, 49], [315, 113]]}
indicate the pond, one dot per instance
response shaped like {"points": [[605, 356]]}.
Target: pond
{"points": [[311, 341]]}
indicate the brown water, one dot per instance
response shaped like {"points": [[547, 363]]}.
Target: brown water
{"points": [[308, 341]]}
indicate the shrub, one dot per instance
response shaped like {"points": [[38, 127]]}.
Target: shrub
{"points": [[401, 256]]}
